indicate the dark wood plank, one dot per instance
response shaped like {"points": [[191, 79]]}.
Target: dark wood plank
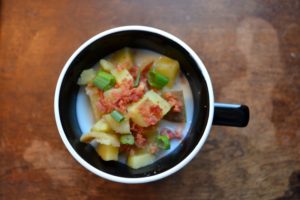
{"points": [[251, 49]]}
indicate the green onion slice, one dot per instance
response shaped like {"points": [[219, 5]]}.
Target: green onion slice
{"points": [[156, 79], [117, 116], [138, 77], [163, 142], [127, 139], [104, 80]]}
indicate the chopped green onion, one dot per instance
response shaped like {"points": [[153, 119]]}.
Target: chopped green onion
{"points": [[104, 80], [117, 116], [105, 74], [138, 77], [157, 80], [101, 83], [163, 142], [127, 139]]}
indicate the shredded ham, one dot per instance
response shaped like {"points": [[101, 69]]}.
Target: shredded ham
{"points": [[121, 99], [128, 149], [103, 105], [137, 93], [153, 148], [147, 68], [136, 129], [171, 134], [140, 140], [178, 134], [134, 71], [151, 113], [174, 101]]}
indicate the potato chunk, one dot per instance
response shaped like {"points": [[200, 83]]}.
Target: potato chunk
{"points": [[167, 67], [151, 98], [123, 57], [121, 75], [101, 126], [106, 65], [135, 115], [86, 76], [92, 93], [108, 152], [140, 160], [122, 127], [101, 137], [151, 133]]}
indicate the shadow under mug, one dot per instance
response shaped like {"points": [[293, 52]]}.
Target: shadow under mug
{"points": [[205, 114]]}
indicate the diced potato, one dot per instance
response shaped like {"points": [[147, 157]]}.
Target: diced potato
{"points": [[106, 65], [135, 114], [167, 67], [123, 57], [151, 133], [121, 75], [122, 127], [102, 138], [150, 97], [92, 93], [176, 116], [86, 76], [108, 152], [101, 126], [140, 160]]}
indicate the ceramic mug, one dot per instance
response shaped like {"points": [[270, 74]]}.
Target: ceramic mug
{"points": [[206, 111]]}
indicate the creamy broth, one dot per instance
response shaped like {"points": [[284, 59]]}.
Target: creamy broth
{"points": [[141, 57]]}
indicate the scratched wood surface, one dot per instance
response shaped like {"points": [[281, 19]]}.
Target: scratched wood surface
{"points": [[250, 48]]}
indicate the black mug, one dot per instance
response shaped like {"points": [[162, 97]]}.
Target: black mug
{"points": [[205, 114]]}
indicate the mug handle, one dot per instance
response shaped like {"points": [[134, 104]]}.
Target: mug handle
{"points": [[231, 115]]}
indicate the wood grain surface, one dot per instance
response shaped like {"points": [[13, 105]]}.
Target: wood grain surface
{"points": [[250, 48]]}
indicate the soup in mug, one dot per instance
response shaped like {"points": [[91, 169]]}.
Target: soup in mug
{"points": [[134, 106]]}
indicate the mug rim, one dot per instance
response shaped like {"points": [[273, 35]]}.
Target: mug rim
{"points": [[146, 179]]}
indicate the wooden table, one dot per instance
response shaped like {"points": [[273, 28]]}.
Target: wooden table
{"points": [[251, 50]]}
